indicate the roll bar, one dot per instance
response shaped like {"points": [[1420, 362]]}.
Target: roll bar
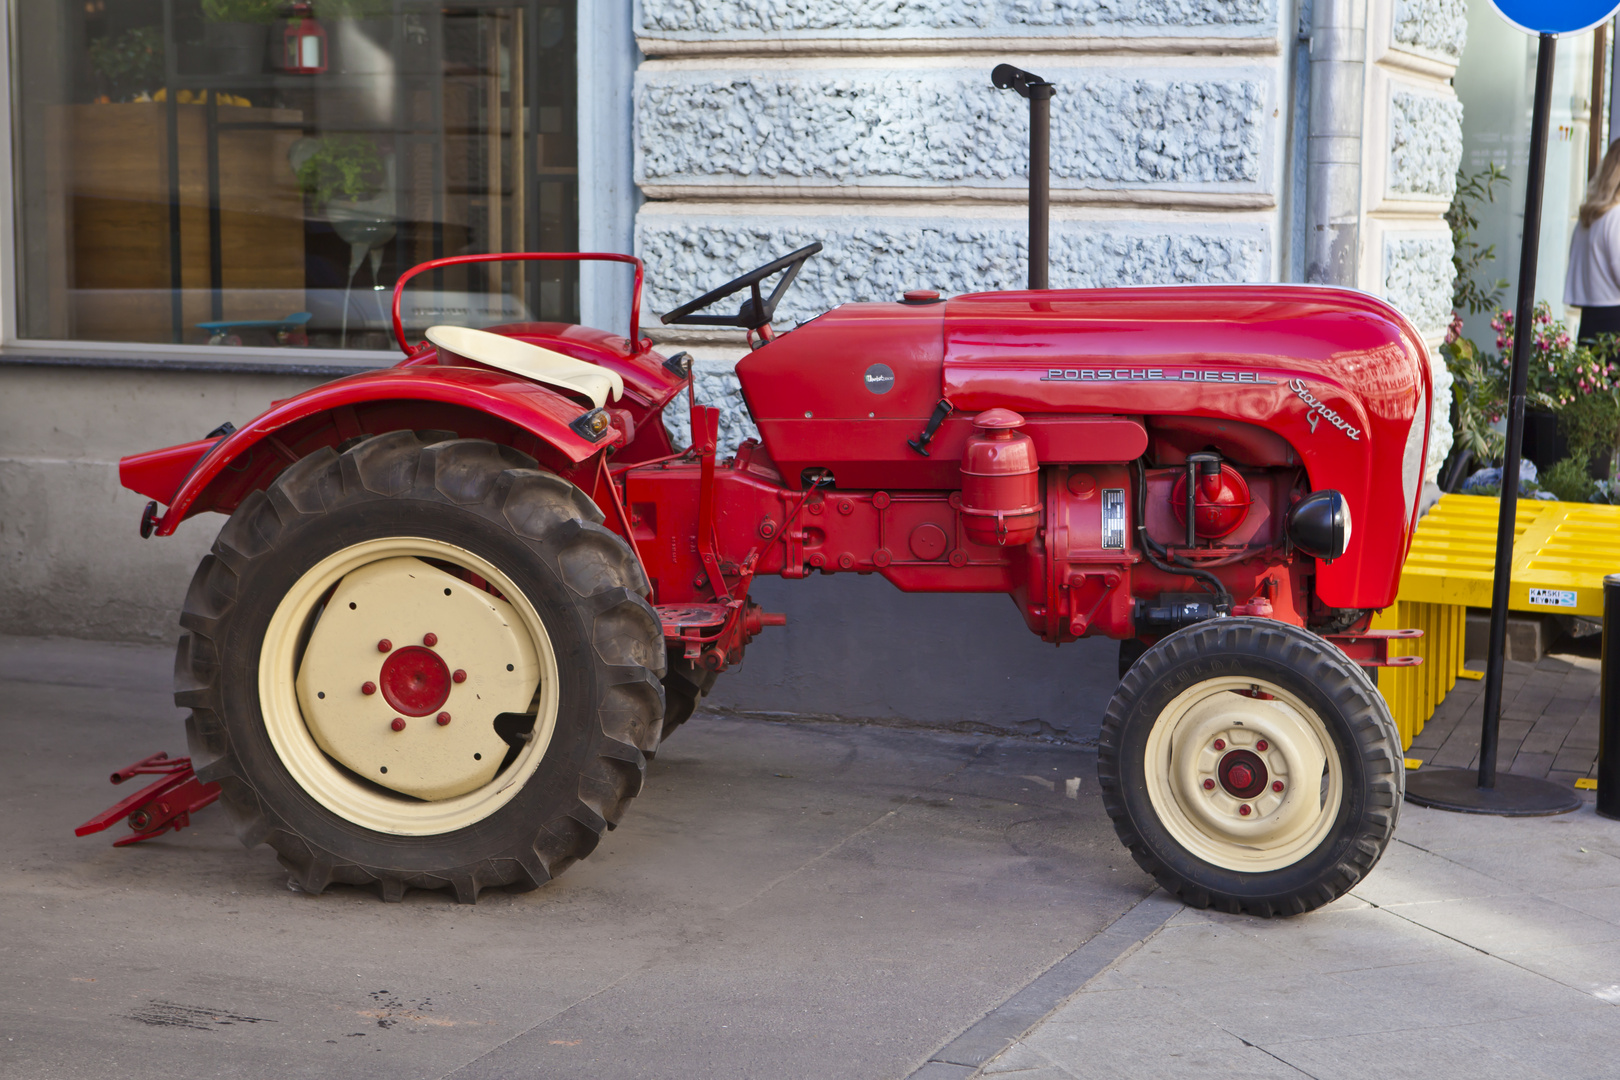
{"points": [[525, 256]]}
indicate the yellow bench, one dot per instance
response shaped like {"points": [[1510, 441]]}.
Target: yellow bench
{"points": [[1561, 552]]}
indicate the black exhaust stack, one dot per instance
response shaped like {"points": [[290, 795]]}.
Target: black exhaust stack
{"points": [[1039, 92]]}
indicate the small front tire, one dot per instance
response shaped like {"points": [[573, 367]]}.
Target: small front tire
{"points": [[1249, 765]]}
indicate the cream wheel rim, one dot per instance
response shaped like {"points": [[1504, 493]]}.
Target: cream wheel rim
{"points": [[311, 738], [1243, 774]]}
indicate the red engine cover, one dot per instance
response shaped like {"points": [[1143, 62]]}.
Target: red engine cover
{"points": [[1219, 506]]}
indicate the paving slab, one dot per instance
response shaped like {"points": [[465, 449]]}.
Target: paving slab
{"points": [[1479, 947], [783, 900]]}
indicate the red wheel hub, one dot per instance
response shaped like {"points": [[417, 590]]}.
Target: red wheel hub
{"points": [[415, 681], [1243, 774]]}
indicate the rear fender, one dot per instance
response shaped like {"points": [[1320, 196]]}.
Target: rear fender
{"points": [[472, 402]]}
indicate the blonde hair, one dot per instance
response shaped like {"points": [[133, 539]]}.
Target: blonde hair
{"points": [[1603, 193]]}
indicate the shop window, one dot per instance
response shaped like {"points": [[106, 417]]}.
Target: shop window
{"points": [[259, 173], [1496, 83]]}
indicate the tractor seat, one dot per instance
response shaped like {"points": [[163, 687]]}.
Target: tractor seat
{"points": [[529, 361]]}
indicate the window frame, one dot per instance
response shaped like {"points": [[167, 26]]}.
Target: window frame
{"points": [[604, 68]]}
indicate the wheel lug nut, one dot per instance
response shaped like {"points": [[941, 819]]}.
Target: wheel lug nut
{"points": [[1209, 785], [430, 640], [368, 688], [384, 645], [444, 718], [1276, 785], [1244, 809], [1262, 746], [398, 724], [1220, 744], [458, 676]]}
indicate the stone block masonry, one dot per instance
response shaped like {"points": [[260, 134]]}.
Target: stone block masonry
{"points": [[878, 257], [1122, 127], [696, 19]]}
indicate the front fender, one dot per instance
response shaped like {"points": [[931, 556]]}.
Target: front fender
{"points": [[473, 402]]}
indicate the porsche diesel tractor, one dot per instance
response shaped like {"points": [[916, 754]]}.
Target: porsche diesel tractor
{"points": [[457, 604]]}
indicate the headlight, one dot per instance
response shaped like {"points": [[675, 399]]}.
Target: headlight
{"points": [[1319, 524]]}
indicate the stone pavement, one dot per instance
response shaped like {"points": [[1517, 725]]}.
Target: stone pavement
{"points": [[783, 900], [1479, 947], [1549, 725]]}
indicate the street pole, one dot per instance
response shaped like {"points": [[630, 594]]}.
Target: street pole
{"points": [[1039, 92], [1523, 336], [1486, 792]]}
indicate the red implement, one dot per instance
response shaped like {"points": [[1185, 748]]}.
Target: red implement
{"points": [[158, 807], [1370, 648]]}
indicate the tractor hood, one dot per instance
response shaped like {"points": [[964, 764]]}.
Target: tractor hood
{"points": [[1340, 375]]}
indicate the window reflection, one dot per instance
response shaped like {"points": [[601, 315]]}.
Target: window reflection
{"points": [[259, 172]]}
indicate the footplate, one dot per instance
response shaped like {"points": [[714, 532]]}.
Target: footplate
{"points": [[714, 633], [159, 807]]}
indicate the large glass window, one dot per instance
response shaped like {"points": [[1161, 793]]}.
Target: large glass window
{"points": [[1496, 83], [256, 172]]}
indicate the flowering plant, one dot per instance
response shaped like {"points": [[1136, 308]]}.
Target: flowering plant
{"points": [[1578, 382], [1475, 397]]}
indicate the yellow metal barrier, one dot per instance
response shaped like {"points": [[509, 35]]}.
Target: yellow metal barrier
{"points": [[1561, 551]]}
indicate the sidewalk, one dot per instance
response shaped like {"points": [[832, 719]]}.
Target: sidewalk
{"points": [[784, 900], [1479, 947], [1549, 725]]}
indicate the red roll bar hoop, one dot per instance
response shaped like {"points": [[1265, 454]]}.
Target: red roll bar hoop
{"points": [[525, 256]]}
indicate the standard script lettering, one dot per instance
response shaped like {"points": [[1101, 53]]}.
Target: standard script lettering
{"points": [[1201, 375], [1316, 411]]}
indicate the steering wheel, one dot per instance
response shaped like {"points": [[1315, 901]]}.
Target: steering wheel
{"points": [[756, 311]]}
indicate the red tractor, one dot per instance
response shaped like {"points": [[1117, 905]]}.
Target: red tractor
{"points": [[459, 602]]}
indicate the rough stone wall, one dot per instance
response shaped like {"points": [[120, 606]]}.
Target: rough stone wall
{"points": [[1412, 144], [872, 258], [1439, 27], [1417, 279], [922, 18], [871, 126], [1425, 144], [1121, 128]]}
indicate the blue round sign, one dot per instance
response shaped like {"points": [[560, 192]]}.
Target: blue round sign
{"points": [[1555, 16]]}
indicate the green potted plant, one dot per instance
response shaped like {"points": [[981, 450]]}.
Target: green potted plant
{"points": [[236, 34], [1577, 386], [1476, 401], [130, 63], [352, 183]]}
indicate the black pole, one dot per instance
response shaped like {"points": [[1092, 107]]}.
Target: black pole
{"points": [[1523, 336], [1039, 92], [1460, 789], [1040, 182], [1608, 765]]}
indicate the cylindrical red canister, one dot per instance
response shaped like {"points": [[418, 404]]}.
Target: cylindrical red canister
{"points": [[1001, 499], [1221, 502]]}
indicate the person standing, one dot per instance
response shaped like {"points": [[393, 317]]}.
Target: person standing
{"points": [[1593, 280]]}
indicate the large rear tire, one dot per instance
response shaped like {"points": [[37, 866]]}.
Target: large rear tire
{"points": [[321, 634], [1251, 766]]}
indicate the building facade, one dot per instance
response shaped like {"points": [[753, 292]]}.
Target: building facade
{"points": [[213, 201]]}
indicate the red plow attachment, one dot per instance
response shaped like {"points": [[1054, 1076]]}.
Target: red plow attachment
{"points": [[159, 807]]}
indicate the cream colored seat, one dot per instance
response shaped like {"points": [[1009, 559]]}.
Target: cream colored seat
{"points": [[530, 361]]}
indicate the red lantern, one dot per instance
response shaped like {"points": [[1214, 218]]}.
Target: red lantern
{"points": [[303, 43]]}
